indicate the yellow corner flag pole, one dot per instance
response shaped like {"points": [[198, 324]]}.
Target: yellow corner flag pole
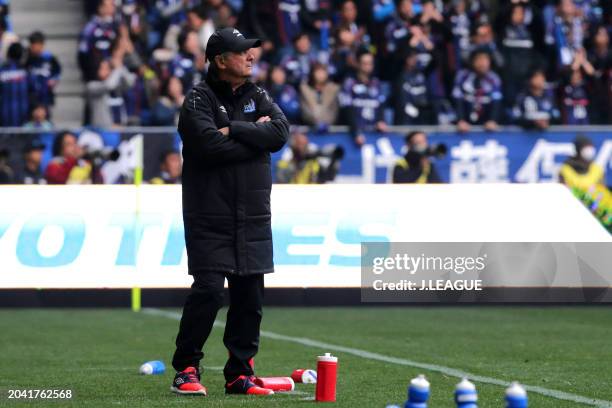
{"points": [[139, 147]]}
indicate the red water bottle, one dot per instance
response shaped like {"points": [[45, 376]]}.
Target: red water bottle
{"points": [[327, 368], [275, 383]]}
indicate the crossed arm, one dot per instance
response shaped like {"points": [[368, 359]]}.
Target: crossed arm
{"points": [[202, 139], [269, 133]]}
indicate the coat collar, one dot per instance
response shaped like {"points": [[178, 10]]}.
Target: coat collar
{"points": [[223, 88]]}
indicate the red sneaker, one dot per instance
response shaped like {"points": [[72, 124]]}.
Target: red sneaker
{"points": [[187, 382], [245, 385]]}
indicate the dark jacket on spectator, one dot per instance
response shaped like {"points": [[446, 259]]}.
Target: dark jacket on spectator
{"points": [[227, 179], [43, 69], [362, 104], [575, 105], [413, 99], [14, 94], [95, 44], [477, 98], [530, 107]]}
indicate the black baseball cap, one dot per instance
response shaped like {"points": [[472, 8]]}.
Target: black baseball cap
{"points": [[34, 144], [228, 39]]}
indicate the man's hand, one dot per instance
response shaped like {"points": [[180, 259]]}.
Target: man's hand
{"points": [[224, 131], [541, 123], [382, 126], [263, 119], [360, 140], [491, 125], [463, 126]]}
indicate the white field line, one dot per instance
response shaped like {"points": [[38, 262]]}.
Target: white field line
{"points": [[453, 372]]}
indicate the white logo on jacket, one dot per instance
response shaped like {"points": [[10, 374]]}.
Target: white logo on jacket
{"points": [[249, 107]]}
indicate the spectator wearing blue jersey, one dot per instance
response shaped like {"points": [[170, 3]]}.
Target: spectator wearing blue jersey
{"points": [[397, 31], [96, 39], [288, 20], [347, 17], [297, 64], [414, 101], [535, 107], [477, 94], [459, 26], [566, 32], [362, 100], [44, 70], [189, 63], [483, 38], [14, 89], [343, 58], [575, 102], [283, 93], [575, 97]]}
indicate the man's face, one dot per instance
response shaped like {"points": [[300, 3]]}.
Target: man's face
{"points": [[366, 64], [537, 82], [349, 12], [34, 156], [191, 43], [602, 38], [238, 64], [36, 48], [70, 148], [405, 8], [482, 64], [106, 8], [518, 15], [484, 34], [278, 76], [418, 142], [299, 144], [172, 165], [194, 21], [411, 62], [302, 45], [567, 8]]}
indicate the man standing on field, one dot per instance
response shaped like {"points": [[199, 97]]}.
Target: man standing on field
{"points": [[229, 127]]}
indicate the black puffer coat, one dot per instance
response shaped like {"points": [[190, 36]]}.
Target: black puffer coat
{"points": [[227, 180]]}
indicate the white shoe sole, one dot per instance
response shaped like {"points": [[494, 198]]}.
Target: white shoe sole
{"points": [[177, 391]]}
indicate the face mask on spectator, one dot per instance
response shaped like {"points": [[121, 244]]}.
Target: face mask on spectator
{"points": [[588, 153], [419, 148]]}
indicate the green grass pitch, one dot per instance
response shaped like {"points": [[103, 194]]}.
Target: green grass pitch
{"points": [[97, 353]]}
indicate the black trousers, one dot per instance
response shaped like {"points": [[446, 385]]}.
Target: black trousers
{"points": [[241, 336]]}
